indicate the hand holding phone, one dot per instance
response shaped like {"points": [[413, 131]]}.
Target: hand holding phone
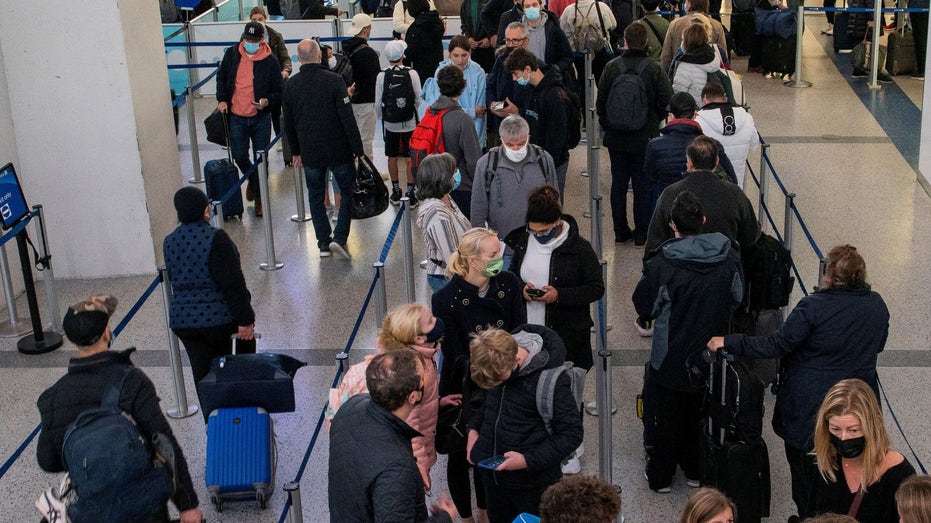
{"points": [[535, 293], [491, 463]]}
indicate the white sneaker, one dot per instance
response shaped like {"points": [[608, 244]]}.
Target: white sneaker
{"points": [[339, 249], [829, 30], [572, 466], [579, 452]]}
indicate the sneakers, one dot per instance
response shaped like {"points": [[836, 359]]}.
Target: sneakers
{"points": [[663, 490], [571, 466], [693, 483], [395, 197], [644, 327], [884, 78], [829, 31], [250, 194], [412, 203], [340, 249], [859, 73], [917, 76], [325, 251]]}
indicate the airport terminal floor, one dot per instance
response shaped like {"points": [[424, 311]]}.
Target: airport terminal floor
{"points": [[847, 152]]}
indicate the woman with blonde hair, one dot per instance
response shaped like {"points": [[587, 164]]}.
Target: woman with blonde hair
{"points": [[859, 472], [913, 500], [479, 295], [708, 505], [411, 325]]}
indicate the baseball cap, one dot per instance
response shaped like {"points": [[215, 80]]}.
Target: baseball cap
{"points": [[360, 22], [85, 321], [254, 31], [394, 50], [682, 105]]}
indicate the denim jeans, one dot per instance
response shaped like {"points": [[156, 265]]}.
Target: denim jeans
{"points": [[345, 176], [436, 282], [243, 129]]}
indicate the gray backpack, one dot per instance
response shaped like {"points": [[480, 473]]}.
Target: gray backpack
{"points": [[546, 390], [628, 104]]}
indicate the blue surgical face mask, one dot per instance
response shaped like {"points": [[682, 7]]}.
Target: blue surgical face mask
{"points": [[251, 47], [457, 179], [521, 81], [532, 13], [548, 237]]}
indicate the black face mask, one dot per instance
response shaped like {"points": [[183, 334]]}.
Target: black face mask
{"points": [[849, 448], [439, 328]]}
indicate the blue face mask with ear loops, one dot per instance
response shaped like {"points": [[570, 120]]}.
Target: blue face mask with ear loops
{"points": [[251, 47], [457, 179], [532, 13]]}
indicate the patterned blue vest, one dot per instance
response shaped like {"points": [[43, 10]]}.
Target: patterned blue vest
{"points": [[197, 301]]}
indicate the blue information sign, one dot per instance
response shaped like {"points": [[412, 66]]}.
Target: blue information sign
{"points": [[12, 202]]}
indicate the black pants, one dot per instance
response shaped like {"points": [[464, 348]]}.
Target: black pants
{"points": [[457, 478], [678, 435], [830, 14], [920, 28], [802, 469], [505, 504], [204, 344]]}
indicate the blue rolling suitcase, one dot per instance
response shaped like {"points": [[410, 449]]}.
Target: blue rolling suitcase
{"points": [[219, 176], [240, 456]]}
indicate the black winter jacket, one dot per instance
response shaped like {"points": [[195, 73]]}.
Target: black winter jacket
{"points": [[833, 334], [316, 100], [575, 272], [365, 68], [425, 44], [500, 86], [726, 207], [463, 312], [664, 161], [373, 474], [558, 51], [266, 79], [548, 115], [858, 23], [691, 289], [658, 89], [82, 388], [491, 15], [509, 420]]}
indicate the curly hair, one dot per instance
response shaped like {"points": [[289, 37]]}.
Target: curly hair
{"points": [[580, 499], [846, 267]]}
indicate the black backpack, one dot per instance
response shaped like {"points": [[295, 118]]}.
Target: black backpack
{"points": [[628, 105], [114, 470], [767, 269], [573, 117], [397, 98]]}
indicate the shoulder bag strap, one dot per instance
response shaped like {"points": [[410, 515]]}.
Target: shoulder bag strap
{"points": [[855, 505], [655, 32], [601, 20]]}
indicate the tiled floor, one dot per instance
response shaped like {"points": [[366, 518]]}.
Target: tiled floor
{"points": [[852, 184]]}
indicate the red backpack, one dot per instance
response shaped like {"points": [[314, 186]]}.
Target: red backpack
{"points": [[427, 138]]}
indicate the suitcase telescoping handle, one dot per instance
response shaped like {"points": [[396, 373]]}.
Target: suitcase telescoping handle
{"points": [[718, 358], [234, 337]]}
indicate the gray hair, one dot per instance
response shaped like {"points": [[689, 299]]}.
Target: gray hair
{"points": [[308, 52], [513, 127], [518, 25], [435, 176]]}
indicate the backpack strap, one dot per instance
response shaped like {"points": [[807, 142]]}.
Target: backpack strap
{"points": [[541, 161], [601, 20], [491, 173], [546, 391], [111, 394]]}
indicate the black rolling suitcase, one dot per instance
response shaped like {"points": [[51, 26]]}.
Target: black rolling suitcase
{"points": [[219, 176], [843, 41], [778, 54], [734, 456]]}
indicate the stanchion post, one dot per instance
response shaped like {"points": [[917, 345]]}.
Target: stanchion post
{"points": [[408, 246], [381, 295], [48, 275], [296, 511], [764, 184], [299, 191], [216, 218], [271, 264], [874, 48], [242, 14], [40, 341], [189, 100], [16, 327], [797, 81], [787, 235], [182, 408]]}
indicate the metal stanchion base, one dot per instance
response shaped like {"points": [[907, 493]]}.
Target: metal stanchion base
{"points": [[607, 328], [176, 414], [267, 267], [874, 87], [29, 344], [20, 328], [592, 408], [796, 83], [194, 180], [296, 218]]}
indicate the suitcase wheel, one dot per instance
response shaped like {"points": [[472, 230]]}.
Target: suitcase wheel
{"points": [[262, 499], [217, 503]]}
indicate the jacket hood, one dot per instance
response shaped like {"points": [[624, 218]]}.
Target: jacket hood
{"points": [[443, 102], [682, 125], [712, 119], [552, 355], [350, 44], [632, 53], [551, 76], [708, 248], [545, 17], [107, 355], [264, 52]]}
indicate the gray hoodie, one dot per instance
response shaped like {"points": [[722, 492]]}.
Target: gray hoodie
{"points": [[459, 139]]}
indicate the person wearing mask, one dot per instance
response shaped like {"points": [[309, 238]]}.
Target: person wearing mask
{"points": [[472, 98], [732, 127], [397, 134], [547, 41], [627, 147], [480, 293], [697, 13], [832, 334], [547, 108], [858, 470], [211, 301], [276, 42], [503, 95], [424, 39], [365, 69], [248, 83], [689, 71], [439, 218]]}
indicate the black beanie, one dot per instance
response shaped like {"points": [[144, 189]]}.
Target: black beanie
{"points": [[190, 203]]}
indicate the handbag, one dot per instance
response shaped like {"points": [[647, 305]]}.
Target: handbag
{"points": [[217, 130], [450, 430], [370, 196], [860, 55]]}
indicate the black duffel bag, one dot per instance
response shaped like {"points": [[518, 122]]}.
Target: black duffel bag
{"points": [[370, 196], [249, 380]]}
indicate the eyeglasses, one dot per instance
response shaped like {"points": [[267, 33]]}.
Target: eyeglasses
{"points": [[542, 233], [514, 41]]}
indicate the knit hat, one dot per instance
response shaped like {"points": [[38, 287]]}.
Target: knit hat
{"points": [[254, 31], [682, 105], [359, 22], [85, 322], [190, 203], [394, 50]]}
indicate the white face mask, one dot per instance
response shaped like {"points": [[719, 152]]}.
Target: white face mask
{"points": [[516, 156], [331, 62]]}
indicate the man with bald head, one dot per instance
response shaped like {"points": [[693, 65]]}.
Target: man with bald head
{"points": [[322, 131]]}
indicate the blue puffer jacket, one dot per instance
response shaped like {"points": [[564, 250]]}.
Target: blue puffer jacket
{"points": [[831, 335], [664, 162]]}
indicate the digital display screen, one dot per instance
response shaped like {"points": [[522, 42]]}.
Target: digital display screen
{"points": [[12, 202]]}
